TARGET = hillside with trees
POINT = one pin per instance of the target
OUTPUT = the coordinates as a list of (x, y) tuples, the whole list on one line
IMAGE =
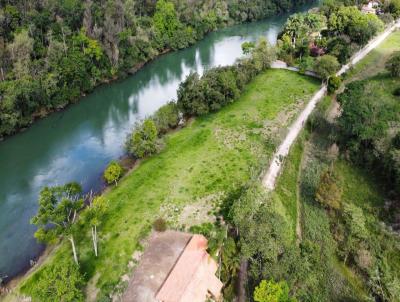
[(329, 231), (53, 52)]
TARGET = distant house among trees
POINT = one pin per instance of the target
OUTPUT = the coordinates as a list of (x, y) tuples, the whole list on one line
[(371, 7)]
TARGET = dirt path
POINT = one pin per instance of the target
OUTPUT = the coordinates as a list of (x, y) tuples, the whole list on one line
[(334, 111), (242, 280), (370, 46), (283, 150), (270, 177)]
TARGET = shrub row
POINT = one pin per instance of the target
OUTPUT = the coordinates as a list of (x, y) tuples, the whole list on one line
[(197, 96), (222, 85)]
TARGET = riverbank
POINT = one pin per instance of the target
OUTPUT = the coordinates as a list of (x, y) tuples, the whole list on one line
[(42, 114), (199, 165), (77, 144), (115, 72)]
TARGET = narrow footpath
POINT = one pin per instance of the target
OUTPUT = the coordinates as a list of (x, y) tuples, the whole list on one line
[(299, 230), (273, 171)]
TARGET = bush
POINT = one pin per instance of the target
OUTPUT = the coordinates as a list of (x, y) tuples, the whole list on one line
[(222, 85), (59, 281), (386, 18), (393, 64), (268, 291), (326, 66), (396, 92), (229, 267), (143, 140), (341, 47), (317, 119), (334, 83), (328, 193), (113, 172), (396, 141), (394, 8), (204, 229), (160, 225), (305, 64), (166, 118)]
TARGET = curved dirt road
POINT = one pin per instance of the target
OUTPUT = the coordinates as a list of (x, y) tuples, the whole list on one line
[(270, 177)]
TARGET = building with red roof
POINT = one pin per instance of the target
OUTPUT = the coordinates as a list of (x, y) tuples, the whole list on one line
[(175, 268)]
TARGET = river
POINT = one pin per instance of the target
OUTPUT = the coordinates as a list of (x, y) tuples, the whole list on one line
[(77, 143)]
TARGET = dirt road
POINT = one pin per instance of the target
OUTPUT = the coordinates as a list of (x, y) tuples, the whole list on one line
[(270, 177)]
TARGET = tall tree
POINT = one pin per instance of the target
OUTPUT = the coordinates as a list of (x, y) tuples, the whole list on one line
[(93, 215), (57, 213), (166, 20), (20, 51), (326, 66), (143, 141)]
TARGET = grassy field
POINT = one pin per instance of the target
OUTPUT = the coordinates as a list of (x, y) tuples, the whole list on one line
[(329, 277), (285, 195), (365, 190), (203, 161), (374, 62)]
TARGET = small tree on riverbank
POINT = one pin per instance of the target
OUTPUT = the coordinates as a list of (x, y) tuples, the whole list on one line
[(263, 55), (166, 117), (113, 173), (57, 213), (143, 140), (247, 47)]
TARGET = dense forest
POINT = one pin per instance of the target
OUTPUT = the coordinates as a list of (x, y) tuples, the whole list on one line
[(52, 52)]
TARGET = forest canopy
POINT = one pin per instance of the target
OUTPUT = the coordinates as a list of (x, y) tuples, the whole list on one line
[(52, 52)]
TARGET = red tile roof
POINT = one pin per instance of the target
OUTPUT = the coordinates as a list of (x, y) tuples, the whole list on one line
[(193, 276)]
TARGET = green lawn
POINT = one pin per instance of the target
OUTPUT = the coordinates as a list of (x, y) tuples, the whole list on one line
[(213, 155), (359, 187)]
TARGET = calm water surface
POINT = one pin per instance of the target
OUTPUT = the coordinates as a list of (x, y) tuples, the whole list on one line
[(77, 144)]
